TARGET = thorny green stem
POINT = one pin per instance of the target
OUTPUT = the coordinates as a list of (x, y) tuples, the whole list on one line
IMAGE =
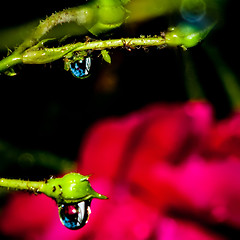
[(46, 55), (97, 17), (38, 54), (81, 15), (31, 51)]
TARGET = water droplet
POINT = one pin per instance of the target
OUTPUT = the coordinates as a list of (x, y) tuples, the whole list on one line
[(193, 11), (81, 68), (75, 215)]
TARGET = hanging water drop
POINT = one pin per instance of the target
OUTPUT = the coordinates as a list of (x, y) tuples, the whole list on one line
[(81, 68), (75, 215)]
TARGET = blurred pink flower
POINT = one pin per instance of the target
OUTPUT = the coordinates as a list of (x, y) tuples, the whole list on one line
[(170, 171)]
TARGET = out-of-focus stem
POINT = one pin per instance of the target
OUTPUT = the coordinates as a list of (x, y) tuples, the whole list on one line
[(228, 78), (81, 15)]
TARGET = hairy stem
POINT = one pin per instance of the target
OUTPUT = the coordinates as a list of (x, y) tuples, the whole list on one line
[(38, 54), (174, 37), (46, 55), (81, 15), (17, 184)]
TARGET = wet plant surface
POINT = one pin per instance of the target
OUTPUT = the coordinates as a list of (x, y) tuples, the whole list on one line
[(47, 111)]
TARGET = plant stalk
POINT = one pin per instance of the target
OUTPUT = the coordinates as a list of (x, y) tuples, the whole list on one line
[(19, 185)]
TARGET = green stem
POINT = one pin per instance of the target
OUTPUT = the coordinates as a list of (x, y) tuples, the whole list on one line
[(46, 55), (17, 184), (229, 79), (193, 86), (174, 37), (39, 54), (81, 15), (10, 61)]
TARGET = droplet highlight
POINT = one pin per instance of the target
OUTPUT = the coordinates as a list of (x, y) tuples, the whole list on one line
[(75, 215)]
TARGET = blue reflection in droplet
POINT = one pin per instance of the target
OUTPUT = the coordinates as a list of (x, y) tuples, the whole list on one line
[(193, 11), (74, 215), (81, 68)]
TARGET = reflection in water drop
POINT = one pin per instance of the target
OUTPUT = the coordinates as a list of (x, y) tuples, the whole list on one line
[(81, 68), (193, 11), (75, 215)]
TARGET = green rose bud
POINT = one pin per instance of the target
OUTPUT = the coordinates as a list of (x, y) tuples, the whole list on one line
[(186, 35), (71, 188)]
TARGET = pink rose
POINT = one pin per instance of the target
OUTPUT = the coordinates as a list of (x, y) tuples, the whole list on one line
[(170, 172)]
